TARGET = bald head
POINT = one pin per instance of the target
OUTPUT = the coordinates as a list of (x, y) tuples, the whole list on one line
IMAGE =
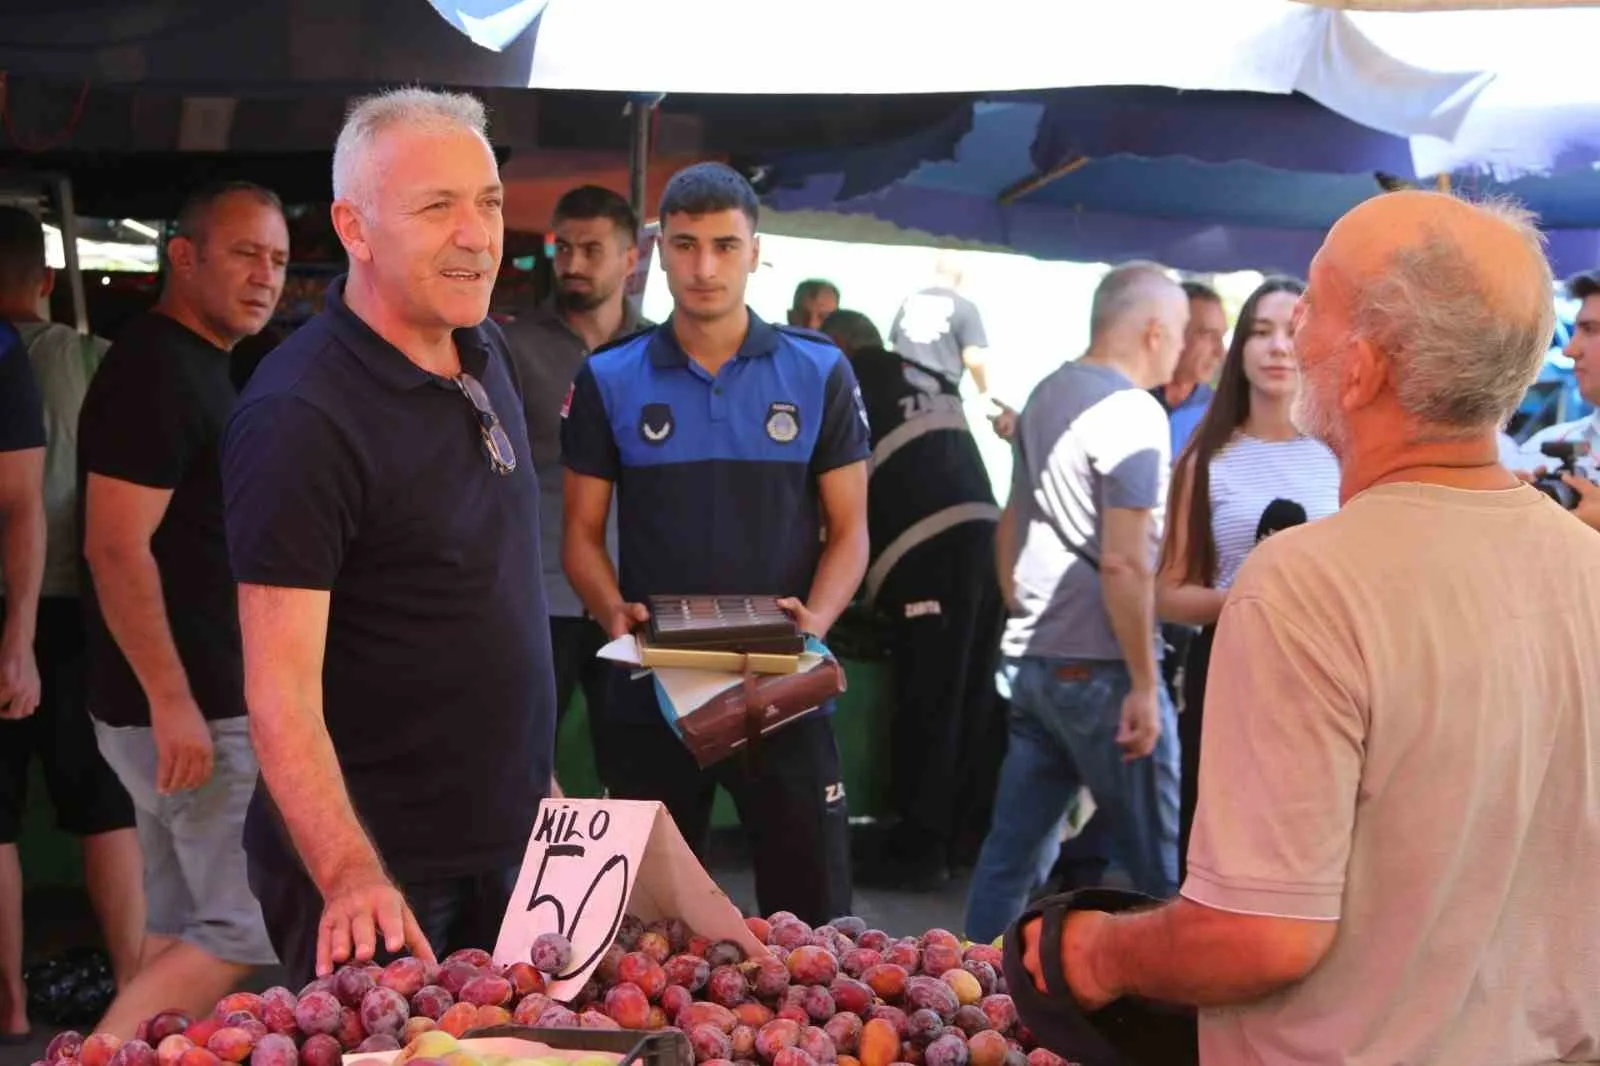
[(1137, 321), (1455, 296)]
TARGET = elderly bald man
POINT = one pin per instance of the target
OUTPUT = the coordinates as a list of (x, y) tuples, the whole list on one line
[(1395, 852)]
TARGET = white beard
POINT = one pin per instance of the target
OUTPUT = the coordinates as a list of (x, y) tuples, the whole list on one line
[(1313, 413)]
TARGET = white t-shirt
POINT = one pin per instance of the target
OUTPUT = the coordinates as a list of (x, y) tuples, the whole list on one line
[(1403, 734), (1251, 474)]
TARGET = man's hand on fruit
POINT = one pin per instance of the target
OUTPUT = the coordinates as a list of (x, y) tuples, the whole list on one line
[(355, 912)]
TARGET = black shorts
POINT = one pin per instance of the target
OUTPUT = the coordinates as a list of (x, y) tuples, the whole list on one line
[(87, 796)]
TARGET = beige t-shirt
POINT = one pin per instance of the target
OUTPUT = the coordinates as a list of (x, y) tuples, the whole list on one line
[(1403, 733)]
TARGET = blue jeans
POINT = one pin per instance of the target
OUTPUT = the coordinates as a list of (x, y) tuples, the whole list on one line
[(1062, 734)]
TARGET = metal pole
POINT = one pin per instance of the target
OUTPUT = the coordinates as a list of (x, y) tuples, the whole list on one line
[(639, 152), (69, 250)]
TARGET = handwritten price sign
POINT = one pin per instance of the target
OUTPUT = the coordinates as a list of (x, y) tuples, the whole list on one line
[(587, 861)]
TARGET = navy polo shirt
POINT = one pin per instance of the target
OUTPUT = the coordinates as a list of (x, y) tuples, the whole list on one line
[(348, 468), (716, 476)]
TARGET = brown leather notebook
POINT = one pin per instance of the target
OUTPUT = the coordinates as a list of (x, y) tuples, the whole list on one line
[(740, 716)]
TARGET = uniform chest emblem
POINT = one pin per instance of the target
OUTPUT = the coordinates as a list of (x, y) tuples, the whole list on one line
[(656, 423), (783, 422)]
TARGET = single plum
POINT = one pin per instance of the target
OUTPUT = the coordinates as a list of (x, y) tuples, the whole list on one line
[(742, 1042), (939, 957), (162, 1026), (674, 929), (491, 1015), (970, 1019), (486, 990), (985, 953), (812, 966), (709, 1042), (279, 994), (249, 1002), (858, 961), (475, 957), (939, 936), (675, 999), (966, 987), (845, 1030), (727, 986), (987, 1048), (893, 1015), (640, 969), (932, 993), (199, 1056), (404, 975), (551, 953), (818, 1004), (690, 971), (200, 1032), (317, 1012), (458, 1019), (230, 1044), (628, 1006), (776, 1036), (1045, 1057), (593, 1019), (850, 926), (768, 977), (887, 980), (320, 1049), (874, 940), (275, 1049), (280, 1019), (925, 1026), (706, 1014), (698, 945), (173, 1048), (907, 956), (431, 1001), (655, 945), (658, 1019), (529, 1008), (384, 1011), (879, 1044), (415, 1026), (724, 953), (948, 1050), (629, 932), (65, 1045), (789, 934), (134, 1053), (753, 1013), (525, 980), (351, 1030), (606, 971), (453, 976), (818, 1044), (351, 984), (850, 995), (1001, 1012), (760, 928), (794, 1013)]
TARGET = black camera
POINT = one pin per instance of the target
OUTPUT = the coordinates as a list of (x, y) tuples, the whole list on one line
[(1568, 452)]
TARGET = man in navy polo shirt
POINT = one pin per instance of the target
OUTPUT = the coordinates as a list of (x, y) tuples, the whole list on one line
[(738, 450), (383, 523)]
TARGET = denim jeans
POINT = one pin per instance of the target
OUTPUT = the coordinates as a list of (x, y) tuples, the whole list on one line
[(1062, 734)]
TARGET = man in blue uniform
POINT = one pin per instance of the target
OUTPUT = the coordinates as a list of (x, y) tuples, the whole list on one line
[(738, 450)]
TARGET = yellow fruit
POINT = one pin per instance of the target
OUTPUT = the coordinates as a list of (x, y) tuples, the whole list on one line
[(433, 1044)]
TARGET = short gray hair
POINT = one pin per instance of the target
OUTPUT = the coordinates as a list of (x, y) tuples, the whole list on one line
[(1124, 289), (1464, 350), (415, 108)]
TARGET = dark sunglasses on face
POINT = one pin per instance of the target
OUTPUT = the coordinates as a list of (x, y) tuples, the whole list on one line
[(496, 444)]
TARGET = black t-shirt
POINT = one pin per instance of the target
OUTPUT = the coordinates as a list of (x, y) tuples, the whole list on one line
[(933, 327), (21, 412), (350, 469), (928, 475), (153, 416)]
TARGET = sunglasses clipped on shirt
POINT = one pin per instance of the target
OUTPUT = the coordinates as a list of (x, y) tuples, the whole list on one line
[(496, 443)]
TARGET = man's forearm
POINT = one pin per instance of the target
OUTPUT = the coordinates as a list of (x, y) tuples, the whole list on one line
[(1183, 952), (588, 567), (22, 541), (127, 583), (303, 777), (839, 572), (1130, 596)]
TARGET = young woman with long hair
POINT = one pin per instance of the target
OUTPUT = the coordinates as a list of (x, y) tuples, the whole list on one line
[(1246, 473)]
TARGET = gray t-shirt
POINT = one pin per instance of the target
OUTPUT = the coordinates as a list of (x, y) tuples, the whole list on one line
[(548, 354), (1088, 439)]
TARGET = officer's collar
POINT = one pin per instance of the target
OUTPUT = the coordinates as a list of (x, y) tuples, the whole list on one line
[(665, 351), (388, 363)]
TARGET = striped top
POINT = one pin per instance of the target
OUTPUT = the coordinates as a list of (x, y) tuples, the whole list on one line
[(1249, 475)]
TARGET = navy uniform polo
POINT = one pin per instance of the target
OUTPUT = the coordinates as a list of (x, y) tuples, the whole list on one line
[(347, 468), (716, 476)]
